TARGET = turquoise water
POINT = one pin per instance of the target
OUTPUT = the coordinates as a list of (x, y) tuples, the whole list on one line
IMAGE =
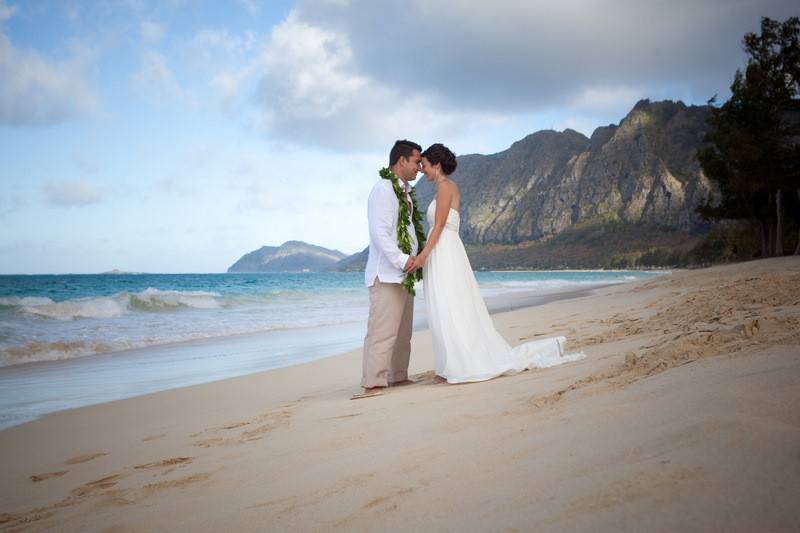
[(76, 340), (45, 318)]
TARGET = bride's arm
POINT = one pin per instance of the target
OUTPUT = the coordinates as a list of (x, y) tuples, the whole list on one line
[(444, 199)]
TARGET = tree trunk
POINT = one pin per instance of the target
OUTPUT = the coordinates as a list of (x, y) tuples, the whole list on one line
[(797, 248), (779, 224), (764, 237), (771, 236), (768, 235)]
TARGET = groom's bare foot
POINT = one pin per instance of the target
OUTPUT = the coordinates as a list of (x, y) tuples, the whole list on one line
[(367, 392), (402, 383)]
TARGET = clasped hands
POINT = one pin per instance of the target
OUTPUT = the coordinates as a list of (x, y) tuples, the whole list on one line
[(414, 263)]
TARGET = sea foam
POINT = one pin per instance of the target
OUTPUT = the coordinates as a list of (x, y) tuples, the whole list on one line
[(152, 299), (148, 300), (51, 351)]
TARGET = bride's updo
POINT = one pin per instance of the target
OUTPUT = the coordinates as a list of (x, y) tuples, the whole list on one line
[(439, 153)]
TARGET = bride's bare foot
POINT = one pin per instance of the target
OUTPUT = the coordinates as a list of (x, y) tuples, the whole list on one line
[(438, 379)]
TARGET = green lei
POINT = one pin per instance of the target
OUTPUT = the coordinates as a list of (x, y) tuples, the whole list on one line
[(403, 220)]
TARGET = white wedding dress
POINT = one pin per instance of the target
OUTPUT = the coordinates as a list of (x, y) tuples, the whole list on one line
[(466, 346)]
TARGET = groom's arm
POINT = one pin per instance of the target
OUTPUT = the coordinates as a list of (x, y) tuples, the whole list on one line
[(381, 215)]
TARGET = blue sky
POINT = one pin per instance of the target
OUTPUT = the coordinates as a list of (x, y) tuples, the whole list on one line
[(177, 135)]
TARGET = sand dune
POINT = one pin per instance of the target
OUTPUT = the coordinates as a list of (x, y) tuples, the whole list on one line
[(683, 416)]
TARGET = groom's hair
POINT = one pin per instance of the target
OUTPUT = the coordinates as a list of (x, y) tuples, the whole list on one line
[(402, 148)]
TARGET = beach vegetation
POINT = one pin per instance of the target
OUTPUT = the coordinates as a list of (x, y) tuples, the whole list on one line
[(753, 146)]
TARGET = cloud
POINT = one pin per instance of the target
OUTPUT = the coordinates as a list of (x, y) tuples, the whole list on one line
[(226, 60), (311, 90), (310, 71), (35, 91), (71, 193), (228, 85), (155, 79), (207, 40), (522, 55), (151, 31), (6, 11), (338, 73), (604, 99), (217, 49)]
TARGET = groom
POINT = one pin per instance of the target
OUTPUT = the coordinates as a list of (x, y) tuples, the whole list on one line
[(387, 346)]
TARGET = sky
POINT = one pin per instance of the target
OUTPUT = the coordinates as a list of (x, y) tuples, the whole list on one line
[(178, 135)]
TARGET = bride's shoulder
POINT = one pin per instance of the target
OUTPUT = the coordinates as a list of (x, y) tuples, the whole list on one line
[(441, 189), (447, 186)]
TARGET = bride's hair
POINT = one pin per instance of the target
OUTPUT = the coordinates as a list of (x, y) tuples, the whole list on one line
[(439, 153)]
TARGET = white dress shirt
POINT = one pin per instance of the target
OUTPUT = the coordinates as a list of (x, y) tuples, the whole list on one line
[(386, 262)]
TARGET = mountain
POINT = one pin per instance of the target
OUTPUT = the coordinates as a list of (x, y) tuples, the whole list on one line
[(291, 256), (626, 196), (354, 263), (643, 171)]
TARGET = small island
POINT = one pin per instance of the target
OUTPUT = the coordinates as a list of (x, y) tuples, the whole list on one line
[(291, 256)]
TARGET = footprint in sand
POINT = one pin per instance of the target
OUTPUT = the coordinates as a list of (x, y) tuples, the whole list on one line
[(84, 458), (154, 437), (236, 425), (176, 483), (174, 461), (97, 485), (50, 475), (260, 426), (380, 506), (343, 416)]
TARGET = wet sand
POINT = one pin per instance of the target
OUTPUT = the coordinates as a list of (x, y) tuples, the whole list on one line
[(36, 389), (683, 416)]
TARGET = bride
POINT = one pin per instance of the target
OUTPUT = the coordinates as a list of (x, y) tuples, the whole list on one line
[(466, 345)]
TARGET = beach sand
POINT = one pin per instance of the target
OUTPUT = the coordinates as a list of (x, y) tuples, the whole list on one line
[(685, 415)]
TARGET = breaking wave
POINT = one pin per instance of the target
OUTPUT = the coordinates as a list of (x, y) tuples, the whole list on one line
[(148, 300)]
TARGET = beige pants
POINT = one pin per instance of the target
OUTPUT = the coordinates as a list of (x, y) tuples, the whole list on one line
[(387, 346)]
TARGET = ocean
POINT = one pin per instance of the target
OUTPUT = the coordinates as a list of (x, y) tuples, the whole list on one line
[(72, 340)]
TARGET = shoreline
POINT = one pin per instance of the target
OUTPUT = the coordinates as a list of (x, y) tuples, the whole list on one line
[(681, 418), (504, 303), (495, 304), (39, 388), (631, 269)]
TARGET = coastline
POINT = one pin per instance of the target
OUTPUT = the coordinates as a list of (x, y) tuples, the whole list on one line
[(40, 388), (509, 302), (681, 417), (662, 270)]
